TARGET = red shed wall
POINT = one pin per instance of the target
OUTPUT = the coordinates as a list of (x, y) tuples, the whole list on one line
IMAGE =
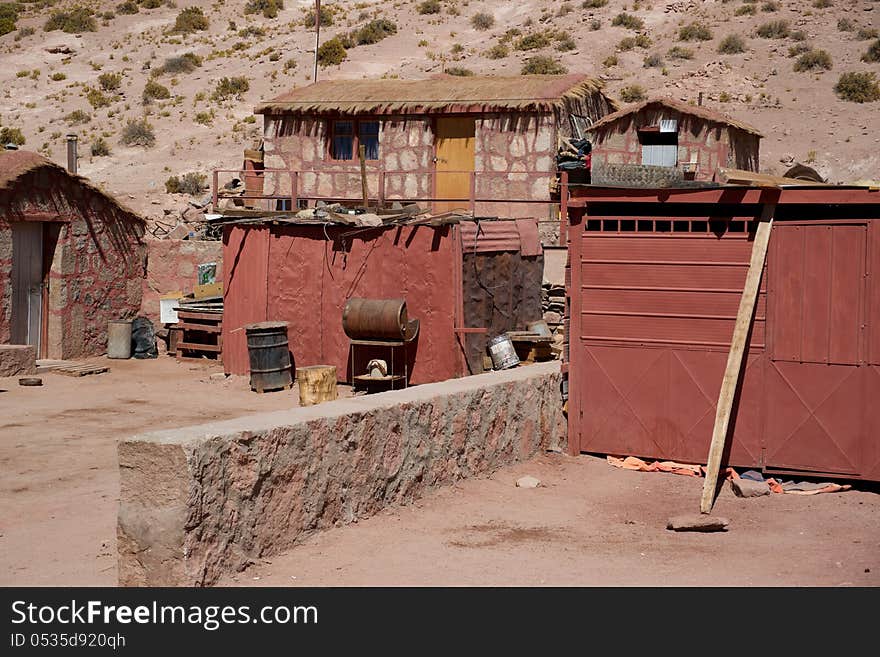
[(307, 279), (652, 315)]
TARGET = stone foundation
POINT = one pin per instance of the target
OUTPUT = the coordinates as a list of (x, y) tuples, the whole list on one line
[(202, 501), (17, 359)]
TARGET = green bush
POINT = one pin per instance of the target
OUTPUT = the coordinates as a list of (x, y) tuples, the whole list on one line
[(633, 94), (822, 4), (331, 53), (845, 25), (459, 71), (97, 99), (543, 65), (482, 21), (77, 117), (798, 49), (128, 7), (429, 7), (858, 87), (24, 32), (732, 44), (99, 148), (564, 43), (610, 61), (373, 32), (58, 77), (745, 10), (191, 19), (653, 61), (694, 32), (8, 17), (594, 4), (326, 18), (138, 132), (770, 6), (774, 30), (153, 4), (628, 21), (628, 43), (233, 87), (815, 59), (110, 81), (155, 91), (498, 51), (252, 31), (204, 118), (872, 54), (532, 41), (185, 63), (269, 8), (73, 21), (864, 33), (680, 52), (798, 35), (11, 136), (191, 183)]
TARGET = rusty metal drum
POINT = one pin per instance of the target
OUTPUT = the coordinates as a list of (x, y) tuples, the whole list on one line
[(269, 356), (375, 319)]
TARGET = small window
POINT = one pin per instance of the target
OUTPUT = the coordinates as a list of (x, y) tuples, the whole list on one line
[(368, 135), (342, 144)]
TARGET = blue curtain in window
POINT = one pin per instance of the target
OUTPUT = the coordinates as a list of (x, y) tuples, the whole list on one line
[(342, 146), (368, 134)]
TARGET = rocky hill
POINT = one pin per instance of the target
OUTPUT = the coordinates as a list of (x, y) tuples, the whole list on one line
[(156, 88)]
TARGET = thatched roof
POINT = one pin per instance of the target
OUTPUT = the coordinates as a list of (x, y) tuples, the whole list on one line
[(661, 104), (442, 94), (15, 165)]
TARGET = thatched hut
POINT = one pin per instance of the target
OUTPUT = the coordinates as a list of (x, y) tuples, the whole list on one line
[(425, 139)]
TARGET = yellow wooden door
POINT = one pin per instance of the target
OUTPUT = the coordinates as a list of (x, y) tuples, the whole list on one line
[(454, 161)]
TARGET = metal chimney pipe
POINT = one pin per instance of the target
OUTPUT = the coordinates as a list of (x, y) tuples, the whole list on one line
[(71, 153)]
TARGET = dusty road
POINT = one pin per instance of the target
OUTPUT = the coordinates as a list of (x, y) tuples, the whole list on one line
[(59, 481), (590, 524)]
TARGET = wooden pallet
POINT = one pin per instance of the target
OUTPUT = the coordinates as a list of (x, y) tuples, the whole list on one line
[(199, 334), (80, 369)]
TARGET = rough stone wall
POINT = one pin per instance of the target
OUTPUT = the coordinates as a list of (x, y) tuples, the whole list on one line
[(406, 144), (5, 283), (16, 359), (517, 146), (97, 263), (199, 502), (172, 265), (707, 144)]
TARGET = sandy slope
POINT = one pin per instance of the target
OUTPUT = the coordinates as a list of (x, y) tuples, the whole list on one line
[(798, 112)]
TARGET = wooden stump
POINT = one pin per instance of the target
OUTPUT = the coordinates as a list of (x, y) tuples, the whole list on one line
[(316, 384)]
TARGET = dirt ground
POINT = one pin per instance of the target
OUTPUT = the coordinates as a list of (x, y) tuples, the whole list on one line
[(594, 525), (59, 481), (588, 523)]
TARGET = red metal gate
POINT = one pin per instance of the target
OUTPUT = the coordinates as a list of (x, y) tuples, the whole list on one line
[(653, 301)]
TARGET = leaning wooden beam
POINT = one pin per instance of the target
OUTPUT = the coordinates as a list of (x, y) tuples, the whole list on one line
[(734, 368)]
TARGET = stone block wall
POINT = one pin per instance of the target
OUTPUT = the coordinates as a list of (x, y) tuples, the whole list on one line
[(172, 265), (5, 283), (16, 359), (199, 502)]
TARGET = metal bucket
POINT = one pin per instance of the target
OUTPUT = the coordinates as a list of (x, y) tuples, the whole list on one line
[(502, 352), (269, 356), (375, 319), (540, 327), (119, 338)]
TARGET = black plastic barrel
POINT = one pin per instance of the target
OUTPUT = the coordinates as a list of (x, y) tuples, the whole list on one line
[(269, 356)]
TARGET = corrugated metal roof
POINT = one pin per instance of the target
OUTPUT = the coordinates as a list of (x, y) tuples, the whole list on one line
[(492, 236)]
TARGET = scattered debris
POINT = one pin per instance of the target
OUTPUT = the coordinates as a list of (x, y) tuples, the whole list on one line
[(75, 368), (30, 381), (749, 488), (697, 523), (528, 481)]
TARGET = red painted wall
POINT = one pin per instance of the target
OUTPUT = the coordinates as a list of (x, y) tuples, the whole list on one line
[(296, 274), (652, 314)]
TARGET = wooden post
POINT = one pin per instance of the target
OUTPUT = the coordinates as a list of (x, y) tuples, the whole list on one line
[(563, 209), (316, 384), (294, 190), (472, 200), (733, 372), (362, 154), (215, 192), (382, 188)]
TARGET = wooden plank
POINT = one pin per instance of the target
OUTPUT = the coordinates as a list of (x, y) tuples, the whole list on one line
[(206, 328), (188, 314), (195, 346), (734, 368)]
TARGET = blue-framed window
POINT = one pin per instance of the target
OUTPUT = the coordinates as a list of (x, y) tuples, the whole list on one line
[(342, 140), (368, 136)]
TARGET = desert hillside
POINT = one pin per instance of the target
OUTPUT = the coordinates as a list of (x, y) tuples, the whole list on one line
[(156, 89)]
